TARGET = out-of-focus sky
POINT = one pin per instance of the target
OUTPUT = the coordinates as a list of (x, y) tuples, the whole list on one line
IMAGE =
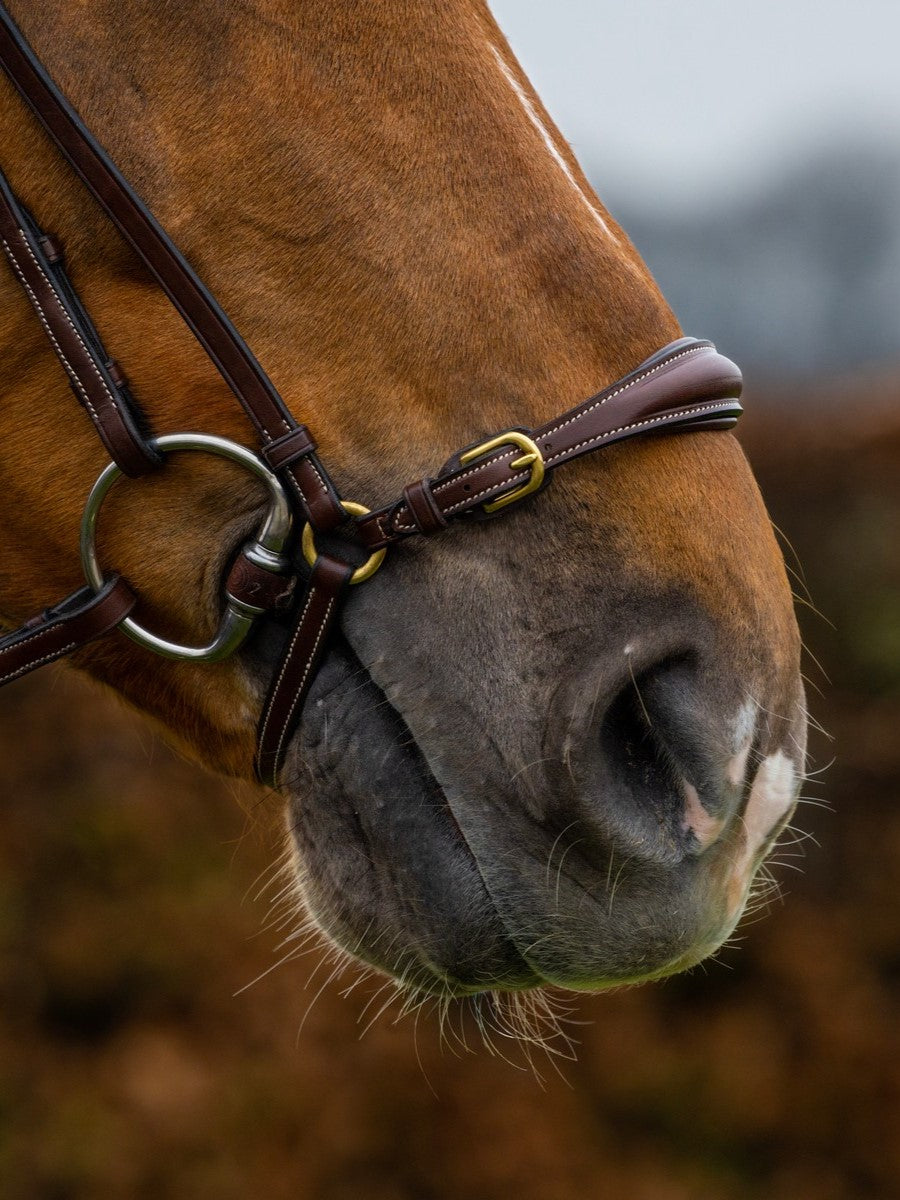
[(708, 97)]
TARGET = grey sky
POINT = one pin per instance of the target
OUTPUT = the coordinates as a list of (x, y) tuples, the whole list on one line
[(707, 97)]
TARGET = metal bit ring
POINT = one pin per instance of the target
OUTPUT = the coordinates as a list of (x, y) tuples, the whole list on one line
[(238, 618)]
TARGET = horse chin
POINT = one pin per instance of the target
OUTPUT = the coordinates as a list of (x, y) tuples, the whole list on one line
[(458, 895)]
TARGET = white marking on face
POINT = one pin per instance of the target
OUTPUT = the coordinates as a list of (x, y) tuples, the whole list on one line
[(697, 820), (771, 799), (741, 740), (549, 142), (736, 767), (743, 726)]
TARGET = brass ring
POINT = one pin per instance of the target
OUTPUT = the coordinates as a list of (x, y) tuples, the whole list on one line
[(368, 568)]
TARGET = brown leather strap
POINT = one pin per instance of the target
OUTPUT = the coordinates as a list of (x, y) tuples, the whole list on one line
[(297, 668), (78, 619), (36, 261), (686, 385), (202, 313)]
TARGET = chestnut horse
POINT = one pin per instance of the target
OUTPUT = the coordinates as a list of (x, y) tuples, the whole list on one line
[(554, 749)]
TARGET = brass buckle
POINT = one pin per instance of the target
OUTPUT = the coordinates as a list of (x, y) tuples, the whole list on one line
[(531, 458), (369, 567)]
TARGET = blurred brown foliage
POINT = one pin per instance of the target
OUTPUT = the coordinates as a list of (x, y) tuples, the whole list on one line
[(132, 1066)]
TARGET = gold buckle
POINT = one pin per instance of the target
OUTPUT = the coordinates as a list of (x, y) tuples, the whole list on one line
[(369, 567), (531, 458)]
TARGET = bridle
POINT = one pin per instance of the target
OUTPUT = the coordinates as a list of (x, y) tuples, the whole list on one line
[(686, 385)]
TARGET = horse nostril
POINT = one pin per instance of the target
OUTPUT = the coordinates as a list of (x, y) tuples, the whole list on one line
[(653, 784), (641, 780), (632, 742)]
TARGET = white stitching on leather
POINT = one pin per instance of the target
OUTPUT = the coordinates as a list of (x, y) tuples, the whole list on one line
[(439, 487), (69, 322), (553, 430), (576, 416), (297, 488), (636, 425), (318, 475), (284, 665), (302, 684), (11, 675), (42, 317), (599, 442), (618, 392)]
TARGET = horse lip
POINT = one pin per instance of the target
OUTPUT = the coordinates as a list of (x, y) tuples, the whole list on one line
[(388, 807)]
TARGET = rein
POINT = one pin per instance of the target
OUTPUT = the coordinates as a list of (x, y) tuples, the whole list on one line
[(685, 386)]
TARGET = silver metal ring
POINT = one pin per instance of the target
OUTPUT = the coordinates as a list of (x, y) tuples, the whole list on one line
[(265, 549)]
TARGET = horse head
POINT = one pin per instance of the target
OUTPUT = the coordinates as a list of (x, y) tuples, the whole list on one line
[(554, 747)]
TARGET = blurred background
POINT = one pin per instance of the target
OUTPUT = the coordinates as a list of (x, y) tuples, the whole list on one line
[(752, 153)]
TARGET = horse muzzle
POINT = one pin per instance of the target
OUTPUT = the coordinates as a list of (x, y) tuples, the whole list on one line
[(622, 850)]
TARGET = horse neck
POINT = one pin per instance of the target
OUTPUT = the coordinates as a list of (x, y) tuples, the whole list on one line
[(374, 193)]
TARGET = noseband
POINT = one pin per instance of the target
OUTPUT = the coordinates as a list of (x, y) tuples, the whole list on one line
[(684, 386)]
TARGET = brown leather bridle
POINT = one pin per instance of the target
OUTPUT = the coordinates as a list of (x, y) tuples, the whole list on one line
[(686, 385)]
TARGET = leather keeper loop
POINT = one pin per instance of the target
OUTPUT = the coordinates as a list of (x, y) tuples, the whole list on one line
[(251, 584), (51, 248), (423, 508), (288, 448)]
